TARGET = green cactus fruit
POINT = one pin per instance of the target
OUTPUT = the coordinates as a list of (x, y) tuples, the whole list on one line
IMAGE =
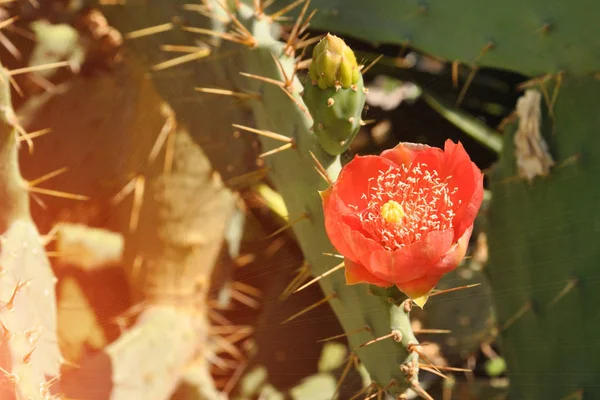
[(335, 95), (333, 64), (336, 114)]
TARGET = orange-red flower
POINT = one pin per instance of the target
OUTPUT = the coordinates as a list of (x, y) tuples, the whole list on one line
[(405, 217)]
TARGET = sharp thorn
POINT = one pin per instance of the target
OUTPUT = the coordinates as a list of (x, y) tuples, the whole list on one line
[(311, 307), (181, 60), (149, 31), (269, 134), (323, 275), (438, 292)]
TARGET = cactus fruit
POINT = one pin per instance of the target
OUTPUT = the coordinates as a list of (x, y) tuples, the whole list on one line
[(333, 64), (334, 94), (29, 354)]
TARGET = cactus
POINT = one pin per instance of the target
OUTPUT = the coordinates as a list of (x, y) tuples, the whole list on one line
[(541, 264), (30, 357), (391, 364)]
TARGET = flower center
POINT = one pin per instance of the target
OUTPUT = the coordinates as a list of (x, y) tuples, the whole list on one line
[(405, 203), (392, 212)]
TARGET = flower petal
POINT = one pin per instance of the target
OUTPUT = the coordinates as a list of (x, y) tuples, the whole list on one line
[(410, 262), (355, 178), (335, 227), (356, 273), (404, 153)]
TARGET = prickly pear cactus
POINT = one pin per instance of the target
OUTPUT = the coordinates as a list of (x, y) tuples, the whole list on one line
[(267, 67), (29, 354)]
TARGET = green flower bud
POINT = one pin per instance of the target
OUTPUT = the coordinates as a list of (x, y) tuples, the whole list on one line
[(333, 64)]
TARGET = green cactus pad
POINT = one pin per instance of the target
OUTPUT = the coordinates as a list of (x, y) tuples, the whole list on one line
[(533, 37)]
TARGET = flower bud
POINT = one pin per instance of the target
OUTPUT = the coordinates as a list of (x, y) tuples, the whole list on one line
[(333, 64)]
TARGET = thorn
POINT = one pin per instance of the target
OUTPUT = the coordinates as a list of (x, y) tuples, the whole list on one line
[(430, 331), (366, 328), (366, 390), (262, 78), (127, 189), (10, 305), (288, 82), (48, 176), (455, 65), (304, 43), (149, 31), (218, 318), (180, 48), (303, 64), (568, 287), (33, 135), (288, 225), (420, 391), (245, 288), (454, 369), (166, 131), (38, 68), (244, 299), (534, 82), (295, 30), (235, 377), (248, 178), (425, 367), (438, 292), (277, 150), (323, 275), (285, 10), (302, 275), (6, 334), (138, 198), (225, 92), (245, 33), (57, 193), (9, 21), (414, 347), (269, 134), (559, 79), (307, 22), (181, 60), (375, 61), (204, 11), (13, 378), (228, 348), (226, 36), (520, 312), (311, 307), (396, 335), (367, 122), (351, 359), (300, 106), (465, 87), (241, 334), (228, 329), (333, 255), (380, 391)]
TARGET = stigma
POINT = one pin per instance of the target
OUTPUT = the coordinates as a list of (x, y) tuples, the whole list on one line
[(392, 212)]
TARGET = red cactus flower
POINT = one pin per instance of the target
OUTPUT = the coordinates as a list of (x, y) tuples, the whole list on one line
[(405, 217)]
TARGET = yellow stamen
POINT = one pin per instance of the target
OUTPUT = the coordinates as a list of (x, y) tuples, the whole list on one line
[(392, 212)]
